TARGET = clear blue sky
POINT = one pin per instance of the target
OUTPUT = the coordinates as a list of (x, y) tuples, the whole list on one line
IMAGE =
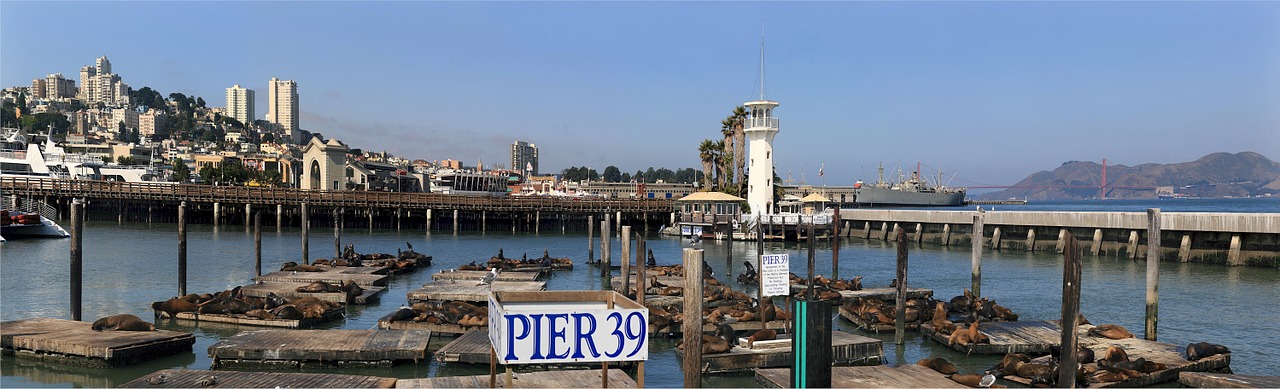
[(991, 90)]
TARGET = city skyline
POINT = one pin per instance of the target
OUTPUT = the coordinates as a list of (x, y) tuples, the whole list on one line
[(993, 91)]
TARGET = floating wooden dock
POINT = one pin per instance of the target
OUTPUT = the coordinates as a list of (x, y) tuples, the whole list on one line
[(1168, 354), (868, 326), (363, 276), (289, 289), (537, 379), (740, 326), (882, 376), (1220, 380), (292, 349), (476, 275), (471, 347), (885, 293), (182, 378), (1029, 337), (436, 329), (76, 343), (846, 349), (330, 315), (470, 291)]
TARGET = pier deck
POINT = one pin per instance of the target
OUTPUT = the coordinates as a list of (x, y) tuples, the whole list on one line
[(538, 379), (885, 293), (74, 342), (846, 348), (289, 289), (882, 376), (330, 315), (1220, 380), (1030, 337), (292, 349), (471, 347), (182, 378), (1168, 354), (475, 275), (470, 291), (363, 276)]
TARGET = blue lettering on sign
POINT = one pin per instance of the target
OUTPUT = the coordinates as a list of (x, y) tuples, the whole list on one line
[(511, 334), (583, 333), (537, 338), (641, 332), (551, 343), (618, 333)]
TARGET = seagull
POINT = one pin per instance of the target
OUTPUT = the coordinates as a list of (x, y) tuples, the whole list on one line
[(159, 379), (488, 278)]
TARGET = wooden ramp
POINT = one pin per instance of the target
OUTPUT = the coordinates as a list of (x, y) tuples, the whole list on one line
[(363, 276), (470, 291), (471, 347), (846, 348), (181, 378), (475, 275), (292, 349), (538, 379), (330, 315), (1165, 353), (289, 289), (74, 342), (885, 293), (1029, 337), (1219, 380), (881, 376), (868, 326)]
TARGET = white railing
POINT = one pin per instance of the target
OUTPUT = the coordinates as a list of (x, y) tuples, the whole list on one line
[(789, 219), (761, 122)]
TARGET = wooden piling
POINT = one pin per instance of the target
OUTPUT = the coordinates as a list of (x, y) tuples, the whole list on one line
[(279, 215), (455, 221), (641, 271), (900, 325), (248, 210), (182, 249), (946, 235), (257, 243), (626, 260), (605, 239), (306, 227), (835, 246), (1184, 249), (1153, 272), (693, 326), (760, 274), (217, 213), (1133, 244), (809, 296), (77, 257), (337, 235), (1031, 239), (1070, 309), (977, 254), (1097, 241), (591, 240), (1062, 233), (919, 237), (1233, 251), (995, 238)]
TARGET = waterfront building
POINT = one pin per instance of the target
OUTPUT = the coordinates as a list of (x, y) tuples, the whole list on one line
[(240, 104), (709, 214), (626, 190), (839, 196), (524, 157), (323, 165), (282, 106)]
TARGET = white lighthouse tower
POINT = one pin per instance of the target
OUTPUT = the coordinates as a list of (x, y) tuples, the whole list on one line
[(760, 127)]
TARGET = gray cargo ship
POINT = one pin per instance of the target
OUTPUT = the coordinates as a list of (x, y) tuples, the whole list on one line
[(913, 191)]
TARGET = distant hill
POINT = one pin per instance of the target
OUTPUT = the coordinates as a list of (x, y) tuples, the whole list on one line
[(1214, 175)]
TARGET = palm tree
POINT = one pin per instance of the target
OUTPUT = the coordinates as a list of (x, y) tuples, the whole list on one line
[(739, 120), (707, 151), (721, 166), (726, 129)]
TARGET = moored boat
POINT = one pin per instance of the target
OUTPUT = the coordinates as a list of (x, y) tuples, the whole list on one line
[(913, 191)]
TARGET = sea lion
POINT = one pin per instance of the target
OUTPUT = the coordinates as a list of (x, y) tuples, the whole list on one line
[(123, 322), (938, 364), (174, 305), (1009, 364), (1198, 351), (260, 314), (1111, 331), (765, 334), (402, 314), (225, 306), (318, 287)]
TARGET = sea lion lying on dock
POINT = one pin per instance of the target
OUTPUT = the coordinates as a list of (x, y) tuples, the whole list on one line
[(172, 306), (938, 364), (1009, 364), (294, 266), (124, 322), (1111, 331), (1198, 351), (765, 334)]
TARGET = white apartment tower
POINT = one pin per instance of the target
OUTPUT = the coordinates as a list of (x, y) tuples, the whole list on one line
[(760, 127), (282, 106), (524, 157), (99, 85), (240, 104)]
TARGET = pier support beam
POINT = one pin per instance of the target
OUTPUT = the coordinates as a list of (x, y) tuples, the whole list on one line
[(617, 221), (995, 239), (1097, 241), (976, 261), (428, 220), (919, 233), (537, 222), (1184, 249), (399, 215), (182, 249), (1233, 253), (484, 221), (1062, 236), (693, 303), (626, 260), (279, 216), (77, 256), (591, 240), (248, 213), (1031, 239), (1133, 244), (306, 226), (217, 213), (1153, 272), (884, 230), (455, 221), (866, 230), (370, 213), (946, 235), (605, 239), (672, 223), (337, 234)]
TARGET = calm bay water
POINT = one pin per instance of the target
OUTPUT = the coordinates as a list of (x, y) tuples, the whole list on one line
[(127, 266)]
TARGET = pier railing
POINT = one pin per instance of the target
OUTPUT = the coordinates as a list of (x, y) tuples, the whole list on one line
[(31, 186)]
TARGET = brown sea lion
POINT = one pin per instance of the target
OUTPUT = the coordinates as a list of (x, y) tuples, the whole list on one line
[(1032, 370), (939, 364), (1111, 331), (1009, 364), (260, 314), (225, 306), (318, 287), (174, 305), (287, 312), (1197, 351), (124, 322), (765, 334)]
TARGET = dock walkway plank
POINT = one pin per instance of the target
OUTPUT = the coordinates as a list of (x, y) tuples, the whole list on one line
[(75, 342), (1030, 337), (1168, 354), (589, 378), (182, 378), (330, 315), (475, 275), (289, 289), (1221, 380), (323, 348), (846, 348), (882, 376), (470, 291), (471, 347), (363, 276), (885, 293)]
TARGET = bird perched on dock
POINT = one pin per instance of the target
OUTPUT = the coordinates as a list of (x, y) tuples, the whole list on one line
[(207, 381), (159, 379), (488, 278)]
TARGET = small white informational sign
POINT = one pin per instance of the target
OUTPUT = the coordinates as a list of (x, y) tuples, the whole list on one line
[(776, 275)]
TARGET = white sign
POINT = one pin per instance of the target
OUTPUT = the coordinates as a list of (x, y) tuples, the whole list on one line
[(557, 332), (776, 275)]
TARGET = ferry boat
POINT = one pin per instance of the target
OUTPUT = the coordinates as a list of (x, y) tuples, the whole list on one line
[(913, 191), (22, 158)]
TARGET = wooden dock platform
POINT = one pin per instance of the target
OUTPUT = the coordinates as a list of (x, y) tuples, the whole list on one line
[(870, 326), (1220, 380), (471, 347), (74, 342), (183, 378), (1168, 354), (475, 275), (470, 291), (538, 379), (330, 315), (436, 329), (846, 348), (882, 376), (1029, 337), (740, 326), (292, 349), (885, 293), (289, 289), (363, 276)]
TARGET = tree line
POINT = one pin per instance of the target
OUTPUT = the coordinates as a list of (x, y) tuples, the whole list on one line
[(614, 174)]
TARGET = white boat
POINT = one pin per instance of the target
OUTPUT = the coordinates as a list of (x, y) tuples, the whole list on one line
[(26, 220), (22, 158)]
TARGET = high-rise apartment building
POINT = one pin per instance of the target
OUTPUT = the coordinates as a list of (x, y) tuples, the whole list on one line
[(99, 85), (524, 157), (282, 106), (240, 104)]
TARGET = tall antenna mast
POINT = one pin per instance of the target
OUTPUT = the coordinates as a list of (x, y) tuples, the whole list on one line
[(762, 60)]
